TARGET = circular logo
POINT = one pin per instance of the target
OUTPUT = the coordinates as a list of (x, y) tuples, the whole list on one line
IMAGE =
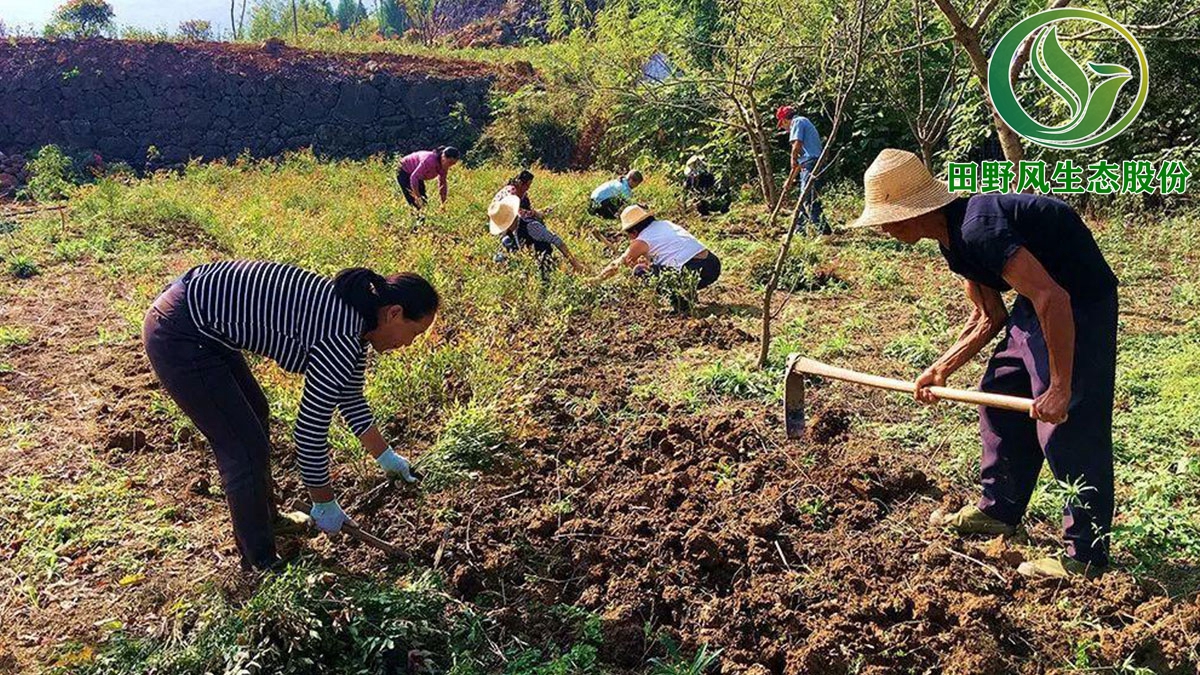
[(1090, 103)]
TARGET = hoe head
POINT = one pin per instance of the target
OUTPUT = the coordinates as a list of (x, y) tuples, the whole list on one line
[(793, 400)]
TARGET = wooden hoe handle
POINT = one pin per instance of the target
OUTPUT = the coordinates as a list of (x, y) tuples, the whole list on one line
[(1001, 401)]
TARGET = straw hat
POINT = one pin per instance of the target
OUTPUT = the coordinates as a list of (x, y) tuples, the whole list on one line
[(502, 213), (899, 187), (632, 215)]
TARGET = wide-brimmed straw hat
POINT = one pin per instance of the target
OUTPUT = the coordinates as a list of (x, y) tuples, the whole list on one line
[(632, 215), (502, 213), (897, 187)]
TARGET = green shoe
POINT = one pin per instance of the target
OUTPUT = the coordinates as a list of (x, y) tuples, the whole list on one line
[(1059, 567), (970, 520), (291, 523)]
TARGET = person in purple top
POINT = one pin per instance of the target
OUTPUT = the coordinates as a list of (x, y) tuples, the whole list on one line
[(1059, 348), (421, 166)]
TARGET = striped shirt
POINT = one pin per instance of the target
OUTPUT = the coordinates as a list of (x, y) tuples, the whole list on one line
[(291, 316)]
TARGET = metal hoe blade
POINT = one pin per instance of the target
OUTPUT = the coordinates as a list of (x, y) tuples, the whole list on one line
[(793, 400)]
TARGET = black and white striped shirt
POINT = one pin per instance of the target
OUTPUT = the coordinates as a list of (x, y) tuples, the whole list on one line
[(292, 316)]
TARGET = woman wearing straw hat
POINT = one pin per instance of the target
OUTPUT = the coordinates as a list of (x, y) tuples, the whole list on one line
[(1059, 346), (664, 245), (512, 218)]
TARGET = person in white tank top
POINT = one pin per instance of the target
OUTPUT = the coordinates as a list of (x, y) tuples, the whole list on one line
[(660, 244)]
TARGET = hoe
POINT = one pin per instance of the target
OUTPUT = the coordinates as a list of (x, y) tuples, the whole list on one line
[(798, 366)]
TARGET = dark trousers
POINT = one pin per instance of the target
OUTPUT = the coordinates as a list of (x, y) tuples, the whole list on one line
[(707, 268), (609, 209), (811, 209), (213, 386), (519, 238), (404, 180), (1078, 450)]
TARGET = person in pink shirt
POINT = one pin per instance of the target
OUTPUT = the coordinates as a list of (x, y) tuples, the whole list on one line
[(421, 166)]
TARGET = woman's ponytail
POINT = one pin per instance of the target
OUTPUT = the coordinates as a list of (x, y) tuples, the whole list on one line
[(366, 292)]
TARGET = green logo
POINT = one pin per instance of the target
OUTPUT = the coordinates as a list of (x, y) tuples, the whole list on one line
[(1090, 105)]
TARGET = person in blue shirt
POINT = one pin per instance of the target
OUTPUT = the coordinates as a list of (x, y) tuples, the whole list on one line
[(1059, 347), (608, 199), (806, 149)]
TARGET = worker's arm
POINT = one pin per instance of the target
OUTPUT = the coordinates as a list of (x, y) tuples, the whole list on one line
[(1053, 306), (796, 148), (575, 264), (637, 249), (987, 318)]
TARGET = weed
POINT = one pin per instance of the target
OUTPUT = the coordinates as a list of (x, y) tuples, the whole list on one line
[(51, 176), (677, 663), (14, 336), (734, 380), (473, 439), (23, 267)]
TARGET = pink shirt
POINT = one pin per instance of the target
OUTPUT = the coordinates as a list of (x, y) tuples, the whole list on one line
[(424, 165)]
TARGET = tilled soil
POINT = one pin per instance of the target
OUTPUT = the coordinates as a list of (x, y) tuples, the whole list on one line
[(710, 528), (703, 526)]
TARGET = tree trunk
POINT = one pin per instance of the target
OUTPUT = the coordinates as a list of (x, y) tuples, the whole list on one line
[(968, 36), (927, 154), (233, 20), (295, 21)]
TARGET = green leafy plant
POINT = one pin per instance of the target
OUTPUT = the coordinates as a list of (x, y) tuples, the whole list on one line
[(23, 267), (51, 175), (473, 439)]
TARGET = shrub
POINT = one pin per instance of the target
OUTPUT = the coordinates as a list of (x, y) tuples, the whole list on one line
[(532, 127), (678, 288), (51, 176), (804, 269)]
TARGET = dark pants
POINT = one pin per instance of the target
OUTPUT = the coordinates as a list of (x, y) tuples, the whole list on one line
[(609, 209), (519, 238), (1078, 450), (810, 209), (707, 268), (214, 387), (404, 180)]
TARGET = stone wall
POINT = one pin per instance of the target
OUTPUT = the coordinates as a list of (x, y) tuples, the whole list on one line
[(213, 100)]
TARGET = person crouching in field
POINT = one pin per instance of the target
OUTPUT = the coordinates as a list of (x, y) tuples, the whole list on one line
[(656, 245), (195, 333), (418, 167), (607, 200), (1059, 347), (511, 217)]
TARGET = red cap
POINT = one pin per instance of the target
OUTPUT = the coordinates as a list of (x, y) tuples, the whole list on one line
[(784, 112)]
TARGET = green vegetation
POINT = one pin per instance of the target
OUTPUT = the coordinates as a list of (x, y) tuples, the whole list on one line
[(472, 440)]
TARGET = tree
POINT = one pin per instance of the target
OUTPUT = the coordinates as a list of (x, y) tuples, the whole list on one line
[(924, 81), (393, 19), (840, 60), (196, 30), (968, 35), (81, 19), (425, 18), (236, 24), (349, 13)]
